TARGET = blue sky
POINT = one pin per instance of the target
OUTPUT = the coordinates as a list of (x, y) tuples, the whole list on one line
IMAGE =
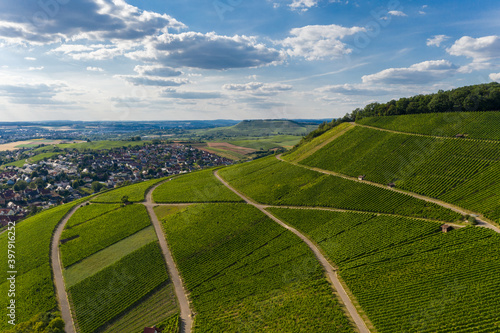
[(235, 59)]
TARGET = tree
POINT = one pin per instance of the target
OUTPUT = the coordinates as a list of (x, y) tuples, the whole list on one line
[(96, 186), (125, 199)]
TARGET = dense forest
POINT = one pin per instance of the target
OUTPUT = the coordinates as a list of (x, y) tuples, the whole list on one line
[(481, 97)]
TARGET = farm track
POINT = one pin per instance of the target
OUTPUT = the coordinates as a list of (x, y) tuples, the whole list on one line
[(185, 312), (336, 284), (55, 257), (481, 220)]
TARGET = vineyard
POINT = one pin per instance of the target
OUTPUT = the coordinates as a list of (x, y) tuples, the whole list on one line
[(85, 239), (34, 287), (89, 212), (270, 181), (438, 168), (246, 273), (103, 296), (476, 125), (135, 193), (200, 186), (408, 276)]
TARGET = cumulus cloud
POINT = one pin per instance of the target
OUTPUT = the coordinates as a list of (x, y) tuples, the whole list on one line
[(157, 71), (495, 77), (421, 73), (396, 13), (172, 93), (437, 40), (316, 42), (49, 21), (38, 94), (303, 5), (95, 69), (481, 50), (207, 51), (29, 58), (91, 52), (150, 81), (259, 88), (36, 68)]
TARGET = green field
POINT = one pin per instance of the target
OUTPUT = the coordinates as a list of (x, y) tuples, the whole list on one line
[(435, 167), (307, 148), (34, 286), (408, 276), (89, 212), (476, 125), (245, 273), (103, 296), (266, 143), (199, 186), (106, 257), (135, 192), (270, 181), (94, 145), (88, 238)]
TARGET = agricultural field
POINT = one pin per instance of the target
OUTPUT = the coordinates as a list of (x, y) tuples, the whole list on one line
[(246, 273), (94, 145), (435, 167), (135, 192), (106, 257), (475, 125), (89, 212), (34, 286), (267, 142), (87, 238), (411, 277), (105, 295), (308, 148), (273, 182), (199, 186)]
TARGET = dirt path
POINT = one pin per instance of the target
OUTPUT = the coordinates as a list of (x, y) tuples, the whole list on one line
[(324, 262), (481, 220), (55, 258), (186, 315)]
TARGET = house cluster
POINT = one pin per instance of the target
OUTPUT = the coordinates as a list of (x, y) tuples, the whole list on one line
[(71, 174)]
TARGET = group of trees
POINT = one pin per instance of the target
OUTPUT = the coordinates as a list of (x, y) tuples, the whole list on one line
[(481, 97)]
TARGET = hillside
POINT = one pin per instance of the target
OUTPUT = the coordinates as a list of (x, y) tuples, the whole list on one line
[(298, 242)]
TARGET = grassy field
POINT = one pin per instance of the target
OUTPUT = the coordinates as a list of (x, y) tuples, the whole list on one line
[(135, 192), (89, 212), (307, 148), (115, 289), (88, 238), (269, 142), (476, 125), (245, 273), (94, 145), (270, 181), (34, 286), (407, 275), (108, 256), (199, 186), (163, 211)]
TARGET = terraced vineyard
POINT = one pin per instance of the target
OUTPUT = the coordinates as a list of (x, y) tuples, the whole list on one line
[(430, 166), (246, 273), (34, 287), (134, 192), (476, 125), (408, 276), (200, 186), (105, 295), (270, 181), (100, 232)]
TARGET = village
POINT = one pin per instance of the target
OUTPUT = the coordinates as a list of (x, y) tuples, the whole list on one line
[(73, 174)]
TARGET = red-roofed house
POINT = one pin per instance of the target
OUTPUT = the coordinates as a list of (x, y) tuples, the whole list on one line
[(152, 330)]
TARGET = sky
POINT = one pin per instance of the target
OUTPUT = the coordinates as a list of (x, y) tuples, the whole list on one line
[(236, 59)]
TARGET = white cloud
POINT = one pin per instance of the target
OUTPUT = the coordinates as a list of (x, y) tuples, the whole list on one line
[(95, 69), (354, 89), (259, 88), (92, 52), (157, 71), (303, 5), (207, 51), (315, 42), (481, 50), (152, 81), (422, 73), (495, 77), (396, 13), (33, 94), (29, 58), (437, 40), (172, 93), (36, 68)]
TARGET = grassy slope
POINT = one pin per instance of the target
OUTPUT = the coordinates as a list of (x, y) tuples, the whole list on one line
[(34, 286), (478, 125), (102, 259), (135, 192), (270, 181), (246, 273), (200, 186), (408, 277), (265, 143)]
